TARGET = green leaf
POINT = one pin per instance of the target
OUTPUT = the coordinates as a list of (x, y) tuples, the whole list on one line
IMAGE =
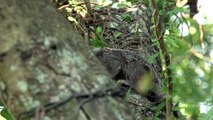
[(126, 17), (97, 7), (96, 42), (127, 94), (157, 118), (117, 34), (160, 106), (122, 5), (99, 29), (5, 113), (171, 40), (155, 44), (176, 108), (151, 59)]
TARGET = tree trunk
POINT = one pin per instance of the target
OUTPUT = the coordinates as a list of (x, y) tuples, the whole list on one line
[(43, 61)]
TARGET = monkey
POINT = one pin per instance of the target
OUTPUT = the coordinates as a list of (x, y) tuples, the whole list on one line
[(128, 66)]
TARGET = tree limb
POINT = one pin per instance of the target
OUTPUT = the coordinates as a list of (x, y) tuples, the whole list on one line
[(159, 34)]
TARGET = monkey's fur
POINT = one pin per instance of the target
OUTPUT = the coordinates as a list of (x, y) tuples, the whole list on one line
[(129, 66)]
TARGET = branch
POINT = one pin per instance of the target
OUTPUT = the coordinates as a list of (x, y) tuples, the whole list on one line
[(110, 91), (159, 34), (201, 36), (89, 8), (200, 56)]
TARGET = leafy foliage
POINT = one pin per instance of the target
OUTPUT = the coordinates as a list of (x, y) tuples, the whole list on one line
[(192, 66), (5, 113), (192, 74), (98, 40)]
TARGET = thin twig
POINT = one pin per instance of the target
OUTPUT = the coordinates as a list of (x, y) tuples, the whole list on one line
[(201, 36), (90, 98), (200, 56), (81, 3), (64, 6), (89, 8)]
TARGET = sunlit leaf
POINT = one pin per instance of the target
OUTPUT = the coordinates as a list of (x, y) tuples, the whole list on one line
[(99, 29), (72, 19), (5, 114)]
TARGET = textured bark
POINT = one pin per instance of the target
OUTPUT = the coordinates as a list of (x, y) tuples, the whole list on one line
[(43, 59)]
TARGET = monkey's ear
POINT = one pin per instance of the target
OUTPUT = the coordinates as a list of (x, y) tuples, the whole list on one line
[(96, 50)]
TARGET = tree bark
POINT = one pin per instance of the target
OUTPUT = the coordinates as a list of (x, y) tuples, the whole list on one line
[(43, 61)]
